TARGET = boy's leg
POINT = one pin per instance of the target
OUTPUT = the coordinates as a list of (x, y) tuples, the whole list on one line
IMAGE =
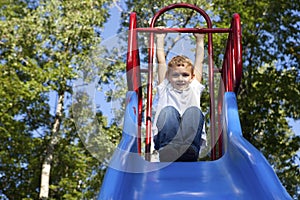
[(191, 130), (168, 123)]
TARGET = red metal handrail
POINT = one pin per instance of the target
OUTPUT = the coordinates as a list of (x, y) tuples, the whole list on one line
[(232, 64), (231, 69), (133, 72), (237, 46), (184, 30)]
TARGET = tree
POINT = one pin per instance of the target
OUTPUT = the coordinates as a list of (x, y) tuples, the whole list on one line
[(269, 93), (44, 46)]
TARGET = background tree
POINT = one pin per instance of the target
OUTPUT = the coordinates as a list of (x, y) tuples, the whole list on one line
[(44, 46), (269, 94)]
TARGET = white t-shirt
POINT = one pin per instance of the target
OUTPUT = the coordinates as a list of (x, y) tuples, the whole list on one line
[(181, 100)]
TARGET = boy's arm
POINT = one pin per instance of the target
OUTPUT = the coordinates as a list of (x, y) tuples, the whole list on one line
[(161, 58), (199, 56)]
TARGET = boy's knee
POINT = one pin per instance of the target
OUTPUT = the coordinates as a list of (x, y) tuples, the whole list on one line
[(169, 109), (194, 111), (168, 112)]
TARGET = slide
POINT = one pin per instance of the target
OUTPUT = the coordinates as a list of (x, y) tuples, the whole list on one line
[(241, 173)]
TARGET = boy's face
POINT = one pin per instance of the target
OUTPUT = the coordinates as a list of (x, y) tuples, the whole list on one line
[(180, 77)]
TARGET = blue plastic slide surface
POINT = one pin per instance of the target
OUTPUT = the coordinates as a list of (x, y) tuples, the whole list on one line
[(241, 173)]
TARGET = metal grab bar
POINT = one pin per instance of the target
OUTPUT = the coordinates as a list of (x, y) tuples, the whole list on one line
[(184, 30)]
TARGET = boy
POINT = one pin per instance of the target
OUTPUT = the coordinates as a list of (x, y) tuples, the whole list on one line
[(178, 123)]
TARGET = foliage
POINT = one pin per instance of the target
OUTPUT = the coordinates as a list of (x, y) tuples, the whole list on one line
[(77, 169), (44, 46), (269, 93)]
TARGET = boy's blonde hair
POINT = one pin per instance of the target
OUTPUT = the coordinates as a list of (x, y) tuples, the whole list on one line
[(180, 61)]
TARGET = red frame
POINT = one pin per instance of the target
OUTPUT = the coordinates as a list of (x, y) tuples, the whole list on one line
[(133, 71), (231, 70)]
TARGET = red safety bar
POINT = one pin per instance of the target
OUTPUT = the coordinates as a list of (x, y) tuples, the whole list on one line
[(133, 71), (231, 72), (232, 64)]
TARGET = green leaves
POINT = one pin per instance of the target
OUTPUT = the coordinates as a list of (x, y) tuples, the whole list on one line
[(43, 49)]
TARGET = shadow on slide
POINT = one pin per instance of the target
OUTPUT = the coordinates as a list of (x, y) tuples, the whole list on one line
[(241, 173)]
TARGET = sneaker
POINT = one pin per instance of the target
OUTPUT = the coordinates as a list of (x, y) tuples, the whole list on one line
[(168, 154)]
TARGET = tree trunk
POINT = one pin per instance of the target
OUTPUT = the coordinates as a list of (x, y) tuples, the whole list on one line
[(46, 167)]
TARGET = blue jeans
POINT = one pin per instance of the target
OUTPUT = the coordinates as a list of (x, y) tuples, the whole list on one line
[(177, 130)]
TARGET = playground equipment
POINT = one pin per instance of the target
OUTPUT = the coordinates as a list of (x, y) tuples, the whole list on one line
[(237, 169)]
